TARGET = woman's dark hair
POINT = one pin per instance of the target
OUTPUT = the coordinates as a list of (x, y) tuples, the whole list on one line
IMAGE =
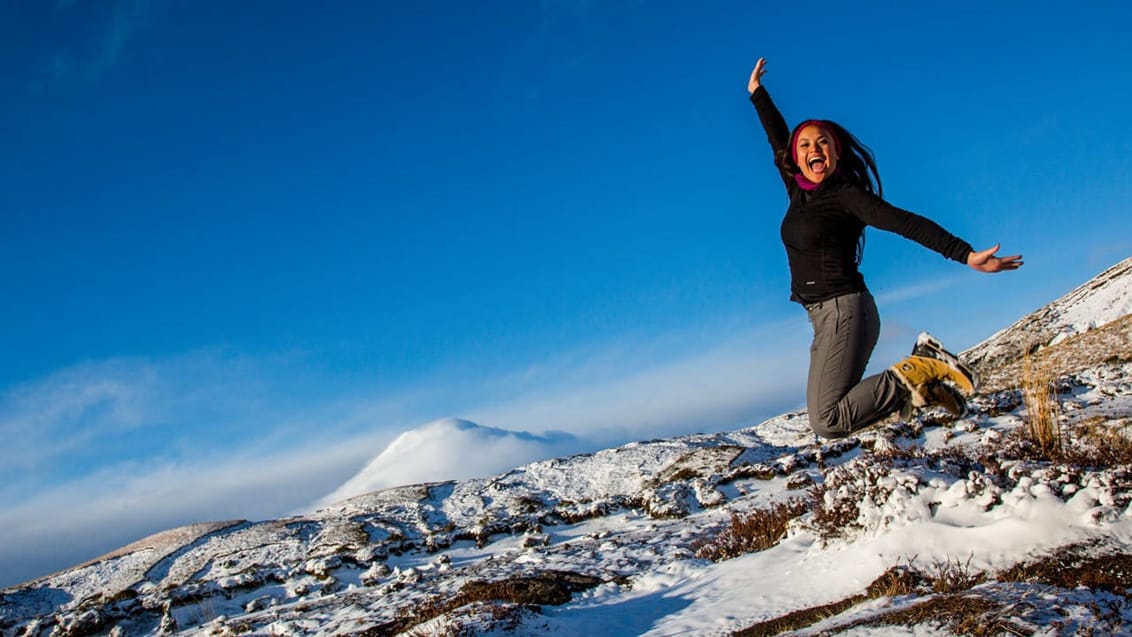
[(855, 161)]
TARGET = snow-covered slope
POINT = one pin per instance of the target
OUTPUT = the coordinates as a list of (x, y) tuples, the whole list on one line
[(1103, 299), (910, 523)]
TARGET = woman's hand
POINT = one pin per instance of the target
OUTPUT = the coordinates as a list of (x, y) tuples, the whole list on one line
[(757, 75), (985, 261)]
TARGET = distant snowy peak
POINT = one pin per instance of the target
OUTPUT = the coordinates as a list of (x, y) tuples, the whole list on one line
[(451, 449), (1103, 299)]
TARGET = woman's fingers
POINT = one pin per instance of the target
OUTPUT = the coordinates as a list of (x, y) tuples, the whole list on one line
[(756, 75), (986, 261)]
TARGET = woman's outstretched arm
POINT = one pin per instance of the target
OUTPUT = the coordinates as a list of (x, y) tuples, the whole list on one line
[(876, 212), (777, 133)]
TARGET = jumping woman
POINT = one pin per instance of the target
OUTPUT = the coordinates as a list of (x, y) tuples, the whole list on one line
[(835, 192)]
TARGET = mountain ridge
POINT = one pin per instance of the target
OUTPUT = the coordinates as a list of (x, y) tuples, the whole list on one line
[(1100, 300)]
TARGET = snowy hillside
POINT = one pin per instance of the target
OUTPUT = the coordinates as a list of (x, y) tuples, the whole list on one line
[(954, 527), (1103, 299)]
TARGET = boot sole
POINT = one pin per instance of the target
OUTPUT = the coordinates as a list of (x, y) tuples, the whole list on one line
[(930, 346), (943, 395)]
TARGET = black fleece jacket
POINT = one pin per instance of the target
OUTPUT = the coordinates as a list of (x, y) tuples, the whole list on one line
[(821, 226)]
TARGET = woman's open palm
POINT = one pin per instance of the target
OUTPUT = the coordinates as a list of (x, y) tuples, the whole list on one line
[(985, 261), (757, 75)]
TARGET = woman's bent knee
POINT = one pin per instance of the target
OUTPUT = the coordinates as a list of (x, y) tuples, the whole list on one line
[(827, 427)]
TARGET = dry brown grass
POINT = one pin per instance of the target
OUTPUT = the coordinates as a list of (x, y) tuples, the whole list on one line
[(951, 577), (1100, 442), (800, 618), (1043, 408), (1097, 443), (896, 581), (1074, 567), (756, 531), (961, 614), (951, 599)]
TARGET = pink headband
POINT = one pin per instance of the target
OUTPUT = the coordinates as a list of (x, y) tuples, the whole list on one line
[(820, 123)]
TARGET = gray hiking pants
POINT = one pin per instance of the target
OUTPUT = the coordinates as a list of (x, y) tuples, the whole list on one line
[(846, 329)]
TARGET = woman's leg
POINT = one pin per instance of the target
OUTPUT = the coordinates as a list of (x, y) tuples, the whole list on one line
[(846, 329)]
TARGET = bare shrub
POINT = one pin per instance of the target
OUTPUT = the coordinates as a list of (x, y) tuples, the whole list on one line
[(756, 531)]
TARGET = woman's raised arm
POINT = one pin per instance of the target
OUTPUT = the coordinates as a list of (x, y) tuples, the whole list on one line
[(777, 133)]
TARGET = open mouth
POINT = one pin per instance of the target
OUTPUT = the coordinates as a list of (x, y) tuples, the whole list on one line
[(817, 164)]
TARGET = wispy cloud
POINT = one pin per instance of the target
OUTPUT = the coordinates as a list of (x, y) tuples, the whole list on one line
[(48, 419), (919, 290), (52, 417), (90, 39), (746, 375), (82, 518), (125, 19), (1105, 254)]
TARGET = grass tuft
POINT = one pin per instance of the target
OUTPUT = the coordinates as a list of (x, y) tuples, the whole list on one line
[(1043, 410), (953, 576)]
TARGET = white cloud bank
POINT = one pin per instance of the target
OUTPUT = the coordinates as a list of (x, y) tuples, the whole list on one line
[(452, 449)]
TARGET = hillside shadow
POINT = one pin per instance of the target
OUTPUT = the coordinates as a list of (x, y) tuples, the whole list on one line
[(27, 603), (628, 618)]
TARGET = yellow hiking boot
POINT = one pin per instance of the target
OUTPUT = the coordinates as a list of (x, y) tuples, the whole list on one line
[(920, 373)]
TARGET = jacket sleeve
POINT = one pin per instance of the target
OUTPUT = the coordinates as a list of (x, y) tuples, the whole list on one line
[(777, 133), (876, 212)]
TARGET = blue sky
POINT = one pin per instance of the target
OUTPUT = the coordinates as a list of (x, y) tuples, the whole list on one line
[(247, 244)]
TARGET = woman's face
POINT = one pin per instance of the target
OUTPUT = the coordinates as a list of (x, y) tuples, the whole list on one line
[(815, 152)]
